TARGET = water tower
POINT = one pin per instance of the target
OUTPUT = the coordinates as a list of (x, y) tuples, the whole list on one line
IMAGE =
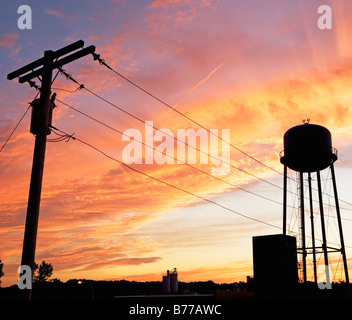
[(307, 152)]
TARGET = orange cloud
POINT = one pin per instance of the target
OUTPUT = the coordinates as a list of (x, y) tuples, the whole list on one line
[(126, 261)]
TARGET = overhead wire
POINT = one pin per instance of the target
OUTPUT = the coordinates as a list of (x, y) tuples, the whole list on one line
[(60, 138), (20, 120), (14, 129), (66, 137), (182, 162), (102, 62), (82, 86), (185, 163), (75, 138)]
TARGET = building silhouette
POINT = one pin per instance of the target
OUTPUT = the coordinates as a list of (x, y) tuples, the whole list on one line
[(170, 282)]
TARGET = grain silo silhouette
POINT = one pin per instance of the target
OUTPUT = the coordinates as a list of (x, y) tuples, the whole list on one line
[(307, 152), (170, 282)]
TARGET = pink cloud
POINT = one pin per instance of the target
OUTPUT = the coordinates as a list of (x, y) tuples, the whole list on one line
[(15, 51), (56, 12), (95, 38), (174, 3), (8, 40)]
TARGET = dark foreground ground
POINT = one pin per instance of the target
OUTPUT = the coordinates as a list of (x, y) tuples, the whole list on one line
[(128, 290), (198, 300)]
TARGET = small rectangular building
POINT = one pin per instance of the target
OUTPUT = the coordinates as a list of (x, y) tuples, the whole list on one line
[(275, 263)]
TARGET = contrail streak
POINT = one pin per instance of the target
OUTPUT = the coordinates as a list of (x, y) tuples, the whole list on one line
[(201, 82)]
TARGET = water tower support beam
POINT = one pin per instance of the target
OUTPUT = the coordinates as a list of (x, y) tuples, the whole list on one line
[(312, 226), (304, 254), (343, 252), (325, 251), (285, 201)]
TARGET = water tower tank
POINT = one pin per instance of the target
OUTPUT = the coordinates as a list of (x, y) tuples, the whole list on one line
[(308, 148)]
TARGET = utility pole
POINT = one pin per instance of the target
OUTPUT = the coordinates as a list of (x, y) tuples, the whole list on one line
[(30, 235), (49, 62)]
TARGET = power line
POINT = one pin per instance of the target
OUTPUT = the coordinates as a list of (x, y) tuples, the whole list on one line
[(14, 129), (82, 86), (195, 168), (67, 137), (102, 62), (70, 136), (32, 84), (182, 162), (162, 181)]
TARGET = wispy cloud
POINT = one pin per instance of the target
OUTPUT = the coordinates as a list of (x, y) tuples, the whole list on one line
[(8, 40), (57, 11), (119, 262)]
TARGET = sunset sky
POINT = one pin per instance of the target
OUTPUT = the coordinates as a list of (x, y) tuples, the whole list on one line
[(254, 67)]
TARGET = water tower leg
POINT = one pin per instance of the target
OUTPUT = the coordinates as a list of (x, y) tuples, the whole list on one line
[(303, 229), (285, 201), (312, 226), (343, 252), (325, 249)]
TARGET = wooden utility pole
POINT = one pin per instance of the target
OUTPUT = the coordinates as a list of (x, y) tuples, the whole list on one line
[(30, 235), (32, 218)]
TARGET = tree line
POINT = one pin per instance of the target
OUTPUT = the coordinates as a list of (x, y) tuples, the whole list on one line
[(41, 273)]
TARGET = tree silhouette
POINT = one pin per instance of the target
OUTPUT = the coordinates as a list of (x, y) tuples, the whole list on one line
[(44, 272), (1, 271)]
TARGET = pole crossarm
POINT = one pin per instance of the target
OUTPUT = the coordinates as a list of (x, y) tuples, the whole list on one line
[(24, 75), (59, 63)]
